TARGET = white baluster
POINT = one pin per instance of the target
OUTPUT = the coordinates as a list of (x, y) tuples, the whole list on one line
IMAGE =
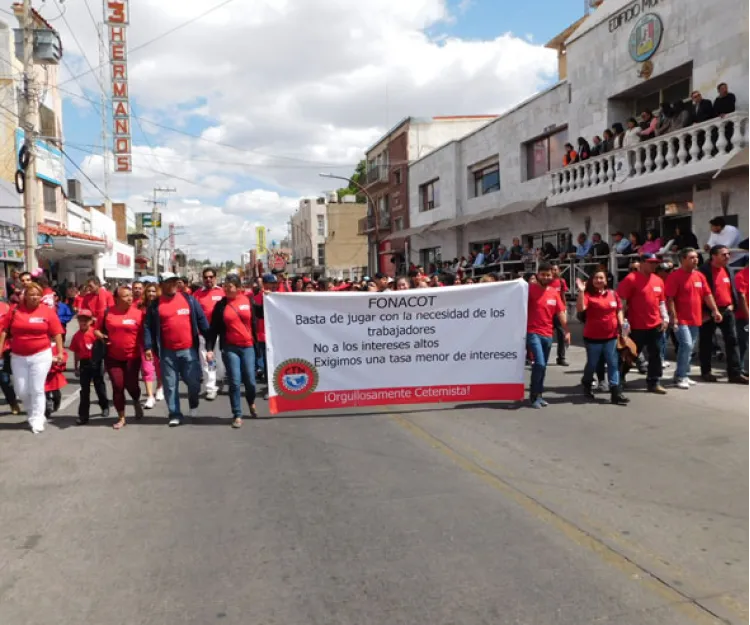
[(573, 177), (682, 153), (671, 153), (709, 145), (599, 172), (566, 180), (580, 176), (553, 184), (722, 143), (659, 160), (695, 150), (650, 163), (611, 173), (589, 175), (638, 154)]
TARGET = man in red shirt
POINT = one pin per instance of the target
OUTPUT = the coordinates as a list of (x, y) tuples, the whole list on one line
[(741, 286), (687, 291), (97, 298), (208, 296), (644, 300), (720, 282), (561, 286), (545, 305), (172, 327)]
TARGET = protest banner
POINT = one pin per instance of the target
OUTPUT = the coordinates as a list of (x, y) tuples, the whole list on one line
[(454, 344)]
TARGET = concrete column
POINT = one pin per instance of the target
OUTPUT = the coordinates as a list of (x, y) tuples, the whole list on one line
[(98, 266)]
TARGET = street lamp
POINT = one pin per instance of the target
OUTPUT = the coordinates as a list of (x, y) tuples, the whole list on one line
[(371, 202)]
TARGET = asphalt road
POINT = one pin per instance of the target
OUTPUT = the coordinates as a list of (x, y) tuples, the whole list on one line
[(435, 515)]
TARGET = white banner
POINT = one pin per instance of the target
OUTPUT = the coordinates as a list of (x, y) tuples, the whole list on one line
[(452, 344)]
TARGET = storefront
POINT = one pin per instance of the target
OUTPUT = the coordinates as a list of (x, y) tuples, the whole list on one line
[(68, 256), (119, 264)]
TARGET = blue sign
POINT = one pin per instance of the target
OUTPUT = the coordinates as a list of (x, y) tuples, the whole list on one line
[(645, 37), (49, 160)]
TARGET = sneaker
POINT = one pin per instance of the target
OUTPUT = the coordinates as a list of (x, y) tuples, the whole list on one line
[(211, 394), (543, 401), (666, 365), (150, 403), (603, 386), (37, 429), (594, 386), (691, 382), (174, 422), (193, 413), (537, 403), (159, 394), (237, 423), (683, 384), (265, 395)]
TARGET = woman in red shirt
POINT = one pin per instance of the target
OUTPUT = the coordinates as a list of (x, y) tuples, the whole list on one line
[(29, 327), (603, 324), (232, 323), (121, 327), (5, 382)]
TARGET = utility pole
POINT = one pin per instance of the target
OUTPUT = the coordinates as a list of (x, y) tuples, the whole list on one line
[(104, 107), (29, 115), (154, 204)]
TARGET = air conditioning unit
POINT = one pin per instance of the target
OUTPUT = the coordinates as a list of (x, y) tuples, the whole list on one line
[(332, 197)]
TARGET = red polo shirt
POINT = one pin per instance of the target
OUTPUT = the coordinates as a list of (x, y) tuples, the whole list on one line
[(643, 294), (124, 332), (4, 310), (560, 285), (31, 331), (208, 298), (260, 326), (722, 287), (97, 303), (82, 343), (688, 290), (741, 284), (237, 319), (601, 315), (544, 304), (176, 326)]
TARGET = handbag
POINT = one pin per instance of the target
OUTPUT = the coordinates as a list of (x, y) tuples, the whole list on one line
[(99, 350)]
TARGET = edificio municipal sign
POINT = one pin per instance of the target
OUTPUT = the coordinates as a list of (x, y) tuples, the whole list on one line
[(631, 12)]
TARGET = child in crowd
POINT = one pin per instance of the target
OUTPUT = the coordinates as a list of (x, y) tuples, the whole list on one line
[(64, 314), (55, 381), (87, 370)]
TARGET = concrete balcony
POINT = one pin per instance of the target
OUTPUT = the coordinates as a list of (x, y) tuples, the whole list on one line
[(377, 174), (367, 224), (695, 151)]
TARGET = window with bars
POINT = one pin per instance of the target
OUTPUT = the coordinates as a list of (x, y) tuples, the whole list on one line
[(429, 195)]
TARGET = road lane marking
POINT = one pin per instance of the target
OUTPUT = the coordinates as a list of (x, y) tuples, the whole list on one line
[(69, 399), (679, 601)]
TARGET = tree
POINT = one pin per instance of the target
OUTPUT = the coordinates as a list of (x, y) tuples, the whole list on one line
[(360, 177)]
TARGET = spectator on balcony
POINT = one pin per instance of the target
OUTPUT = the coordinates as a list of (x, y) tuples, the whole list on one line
[(608, 144), (619, 135), (570, 156), (502, 254), (648, 125), (702, 110), (548, 251), (635, 242), (516, 250), (681, 241), (632, 134), (596, 148), (584, 150), (682, 117), (622, 245), (599, 247), (725, 103), (653, 243), (583, 247), (664, 124), (724, 234)]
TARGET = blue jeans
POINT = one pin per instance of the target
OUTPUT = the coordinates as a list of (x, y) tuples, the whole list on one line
[(540, 347), (663, 348), (608, 351), (239, 363), (260, 358), (185, 364), (686, 337)]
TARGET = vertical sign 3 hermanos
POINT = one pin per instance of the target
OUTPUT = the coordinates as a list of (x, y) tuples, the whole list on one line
[(118, 18), (453, 344)]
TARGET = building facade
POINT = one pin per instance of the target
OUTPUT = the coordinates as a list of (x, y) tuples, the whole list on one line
[(345, 248), (308, 227), (507, 178), (386, 224)]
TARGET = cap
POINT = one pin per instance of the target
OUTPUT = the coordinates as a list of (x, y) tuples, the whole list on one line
[(85, 313), (650, 258), (366, 278), (168, 275), (269, 277)]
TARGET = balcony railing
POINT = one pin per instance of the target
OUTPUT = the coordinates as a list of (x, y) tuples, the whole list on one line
[(695, 150), (377, 173), (367, 224)]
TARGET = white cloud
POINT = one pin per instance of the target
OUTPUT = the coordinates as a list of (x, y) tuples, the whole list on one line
[(300, 86)]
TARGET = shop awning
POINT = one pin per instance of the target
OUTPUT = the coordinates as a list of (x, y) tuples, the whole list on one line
[(493, 213), (740, 159), (62, 242), (402, 234)]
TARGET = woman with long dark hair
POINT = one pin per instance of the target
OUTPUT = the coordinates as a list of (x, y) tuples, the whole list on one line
[(232, 324), (601, 309)]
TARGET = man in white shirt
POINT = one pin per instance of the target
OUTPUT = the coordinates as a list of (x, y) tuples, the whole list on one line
[(726, 236)]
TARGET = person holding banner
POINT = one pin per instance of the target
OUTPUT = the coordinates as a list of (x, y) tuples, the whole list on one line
[(232, 324), (545, 304)]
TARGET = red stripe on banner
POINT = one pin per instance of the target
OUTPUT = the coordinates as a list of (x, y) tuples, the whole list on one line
[(323, 400)]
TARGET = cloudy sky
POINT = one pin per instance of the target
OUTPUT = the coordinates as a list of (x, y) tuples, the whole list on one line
[(241, 103)]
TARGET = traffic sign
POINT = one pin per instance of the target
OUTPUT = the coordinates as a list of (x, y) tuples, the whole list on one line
[(147, 220)]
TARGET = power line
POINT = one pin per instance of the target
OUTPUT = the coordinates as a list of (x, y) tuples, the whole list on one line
[(83, 173), (83, 53), (164, 34)]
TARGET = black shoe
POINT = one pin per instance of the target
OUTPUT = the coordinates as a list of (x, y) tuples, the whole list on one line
[(618, 399), (587, 390), (82, 420), (738, 379), (709, 377), (561, 362), (105, 413)]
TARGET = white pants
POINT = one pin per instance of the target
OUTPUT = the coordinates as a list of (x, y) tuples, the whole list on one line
[(29, 375), (209, 377)]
